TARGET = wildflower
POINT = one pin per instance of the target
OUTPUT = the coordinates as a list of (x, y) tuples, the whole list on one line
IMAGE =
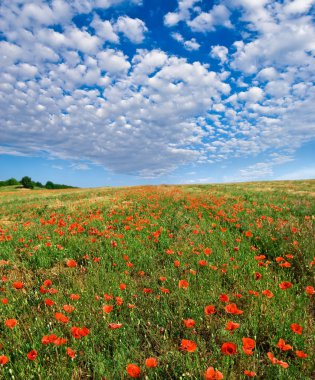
[(283, 347), (18, 285), (310, 290), (32, 355), (71, 263), (189, 323), (3, 359), (231, 326), (183, 284), (232, 309), (188, 345), (61, 318), (296, 328), (249, 373), (301, 354), (151, 362), (285, 285), (68, 308), (11, 323), (133, 370), (228, 348), (107, 308), (212, 374), (114, 326), (224, 298), (248, 345), (70, 352), (210, 309)]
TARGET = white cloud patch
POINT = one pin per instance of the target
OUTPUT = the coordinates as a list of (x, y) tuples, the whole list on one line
[(219, 15), (133, 28), (189, 45), (219, 52)]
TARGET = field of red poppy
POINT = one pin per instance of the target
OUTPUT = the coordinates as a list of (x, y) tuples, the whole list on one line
[(165, 282)]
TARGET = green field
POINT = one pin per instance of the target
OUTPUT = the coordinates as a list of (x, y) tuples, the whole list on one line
[(200, 276)]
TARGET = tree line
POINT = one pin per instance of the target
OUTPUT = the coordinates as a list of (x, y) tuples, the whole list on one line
[(27, 183)]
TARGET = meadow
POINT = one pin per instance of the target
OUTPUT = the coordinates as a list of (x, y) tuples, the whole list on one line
[(158, 282)]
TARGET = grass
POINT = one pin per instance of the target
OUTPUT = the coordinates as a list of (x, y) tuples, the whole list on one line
[(130, 249)]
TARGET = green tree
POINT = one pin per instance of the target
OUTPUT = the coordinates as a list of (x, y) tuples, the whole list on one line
[(27, 182)]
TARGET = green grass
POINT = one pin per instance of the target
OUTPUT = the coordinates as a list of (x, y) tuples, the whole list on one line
[(139, 236)]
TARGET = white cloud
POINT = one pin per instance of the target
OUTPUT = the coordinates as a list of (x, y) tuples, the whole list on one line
[(133, 28), (113, 61), (189, 45), (182, 14), (105, 30), (219, 15), (219, 52)]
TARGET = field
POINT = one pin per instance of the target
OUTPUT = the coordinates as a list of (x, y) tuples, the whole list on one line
[(165, 282)]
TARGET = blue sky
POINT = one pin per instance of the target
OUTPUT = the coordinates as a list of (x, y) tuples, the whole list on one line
[(114, 92)]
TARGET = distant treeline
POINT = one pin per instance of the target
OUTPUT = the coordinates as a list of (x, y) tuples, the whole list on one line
[(27, 183)]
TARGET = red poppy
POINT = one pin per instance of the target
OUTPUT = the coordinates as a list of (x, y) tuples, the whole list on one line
[(71, 263), (228, 348), (3, 359), (231, 326), (61, 318), (301, 354), (114, 326), (249, 373), (267, 293), (224, 298), (18, 285), (70, 352), (122, 286), (10, 323), (107, 308), (285, 285), (183, 284), (213, 374), (68, 308), (232, 309), (248, 345), (296, 328), (75, 297), (32, 355), (210, 309), (189, 323), (188, 345), (133, 370), (283, 347), (151, 362), (49, 302), (310, 290)]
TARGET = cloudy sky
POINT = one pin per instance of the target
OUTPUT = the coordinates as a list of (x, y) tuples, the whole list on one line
[(114, 92)]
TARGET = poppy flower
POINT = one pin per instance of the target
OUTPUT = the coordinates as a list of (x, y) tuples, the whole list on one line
[(188, 345), (232, 309), (122, 286), (61, 318), (210, 309), (183, 284), (114, 326), (3, 359), (310, 290), (107, 308), (133, 370), (49, 302), (213, 374), (231, 326), (249, 373), (267, 293), (32, 355), (224, 298), (151, 362), (75, 297), (70, 352), (46, 339), (248, 345), (189, 323), (10, 323), (296, 328), (18, 285), (68, 308), (283, 347), (285, 285), (301, 354), (78, 332), (71, 263), (228, 348)]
